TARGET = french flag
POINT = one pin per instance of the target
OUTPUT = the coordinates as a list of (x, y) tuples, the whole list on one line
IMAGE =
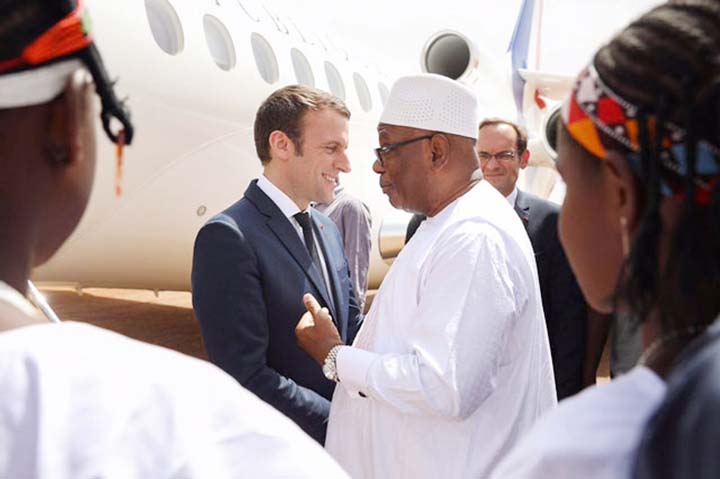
[(519, 48)]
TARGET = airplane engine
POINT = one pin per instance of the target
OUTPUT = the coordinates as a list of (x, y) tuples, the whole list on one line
[(548, 131), (453, 55), (541, 177)]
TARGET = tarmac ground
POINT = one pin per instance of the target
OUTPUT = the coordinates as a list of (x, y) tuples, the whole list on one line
[(165, 320)]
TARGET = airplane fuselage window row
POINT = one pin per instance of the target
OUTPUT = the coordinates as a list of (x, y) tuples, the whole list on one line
[(167, 31)]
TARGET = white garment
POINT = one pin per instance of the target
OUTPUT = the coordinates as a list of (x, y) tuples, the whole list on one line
[(592, 435), (512, 197), (80, 402), (37, 85), (453, 356), (290, 209), (16, 311)]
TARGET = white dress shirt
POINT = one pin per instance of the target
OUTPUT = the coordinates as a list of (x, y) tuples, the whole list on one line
[(512, 197), (592, 435), (290, 209), (452, 364), (82, 402)]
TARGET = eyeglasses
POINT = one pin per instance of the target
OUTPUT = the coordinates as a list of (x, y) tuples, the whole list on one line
[(383, 150), (501, 156)]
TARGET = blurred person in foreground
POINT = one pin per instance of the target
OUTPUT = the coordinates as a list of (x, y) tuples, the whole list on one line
[(79, 401), (680, 440), (639, 152)]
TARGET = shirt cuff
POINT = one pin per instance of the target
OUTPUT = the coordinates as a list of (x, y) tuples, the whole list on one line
[(353, 365)]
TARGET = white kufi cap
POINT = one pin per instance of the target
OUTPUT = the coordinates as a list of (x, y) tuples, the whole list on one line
[(432, 102)]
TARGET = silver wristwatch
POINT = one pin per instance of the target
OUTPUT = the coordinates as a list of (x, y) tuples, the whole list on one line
[(330, 365)]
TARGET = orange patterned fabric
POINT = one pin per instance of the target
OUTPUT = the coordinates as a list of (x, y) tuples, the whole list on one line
[(69, 35), (599, 120)]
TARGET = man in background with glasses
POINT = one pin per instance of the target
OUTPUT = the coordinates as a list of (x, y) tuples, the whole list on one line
[(452, 364), (576, 344)]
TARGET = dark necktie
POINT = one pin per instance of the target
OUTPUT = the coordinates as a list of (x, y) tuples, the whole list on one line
[(304, 220)]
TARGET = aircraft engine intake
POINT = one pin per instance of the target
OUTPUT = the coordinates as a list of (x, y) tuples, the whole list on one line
[(451, 54), (548, 131)]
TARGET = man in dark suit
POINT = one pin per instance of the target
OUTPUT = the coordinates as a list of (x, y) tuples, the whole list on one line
[(254, 261), (502, 148)]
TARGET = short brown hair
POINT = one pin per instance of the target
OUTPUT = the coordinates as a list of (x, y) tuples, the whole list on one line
[(284, 110), (522, 136)]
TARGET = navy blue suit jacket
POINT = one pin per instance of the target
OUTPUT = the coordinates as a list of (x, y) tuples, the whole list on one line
[(250, 271), (566, 312)]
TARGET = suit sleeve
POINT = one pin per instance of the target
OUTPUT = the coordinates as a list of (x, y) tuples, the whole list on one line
[(230, 307)]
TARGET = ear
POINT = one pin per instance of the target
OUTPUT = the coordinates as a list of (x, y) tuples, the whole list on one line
[(524, 158), (440, 149), (70, 130), (622, 188), (281, 146)]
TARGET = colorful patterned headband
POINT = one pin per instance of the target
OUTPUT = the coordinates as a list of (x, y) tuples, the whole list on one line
[(69, 35), (594, 115), (41, 70)]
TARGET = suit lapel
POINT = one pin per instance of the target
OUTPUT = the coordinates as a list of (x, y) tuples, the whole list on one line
[(338, 307), (522, 208), (287, 235)]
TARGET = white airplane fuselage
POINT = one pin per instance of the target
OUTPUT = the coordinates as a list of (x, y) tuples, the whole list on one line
[(193, 153), (193, 109)]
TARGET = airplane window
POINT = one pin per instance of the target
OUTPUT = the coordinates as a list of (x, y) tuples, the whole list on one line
[(265, 60), (384, 92), (335, 82), (165, 26), (303, 70), (363, 92), (219, 42)]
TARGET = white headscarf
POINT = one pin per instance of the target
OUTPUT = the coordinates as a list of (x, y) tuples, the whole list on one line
[(36, 86)]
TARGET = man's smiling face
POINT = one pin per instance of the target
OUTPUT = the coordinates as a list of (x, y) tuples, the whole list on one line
[(499, 158), (324, 141)]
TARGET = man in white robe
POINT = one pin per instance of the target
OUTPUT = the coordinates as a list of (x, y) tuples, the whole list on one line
[(452, 364)]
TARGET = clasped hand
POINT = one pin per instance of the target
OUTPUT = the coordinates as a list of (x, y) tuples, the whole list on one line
[(315, 332)]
